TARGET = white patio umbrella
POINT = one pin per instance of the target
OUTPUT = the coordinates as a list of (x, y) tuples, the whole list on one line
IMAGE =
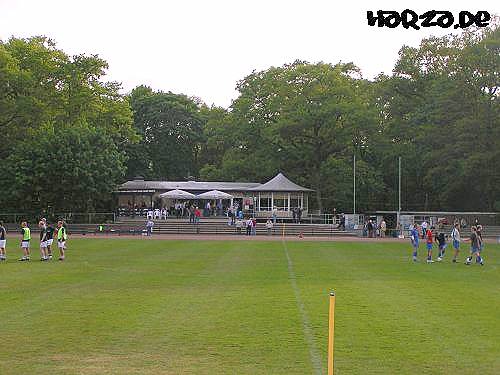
[(214, 194), (177, 194)]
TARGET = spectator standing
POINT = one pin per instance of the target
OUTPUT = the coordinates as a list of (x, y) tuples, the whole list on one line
[(383, 228), (299, 214), (254, 226), (269, 227), (249, 227), (149, 227), (197, 215), (274, 214), (369, 227), (342, 222), (239, 225), (424, 228)]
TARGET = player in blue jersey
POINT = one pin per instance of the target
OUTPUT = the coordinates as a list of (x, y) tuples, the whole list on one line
[(455, 238), (414, 241)]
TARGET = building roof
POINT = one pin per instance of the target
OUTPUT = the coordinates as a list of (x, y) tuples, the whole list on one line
[(278, 183), (187, 185)]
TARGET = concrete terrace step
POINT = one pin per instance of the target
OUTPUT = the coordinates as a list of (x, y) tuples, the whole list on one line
[(184, 227)]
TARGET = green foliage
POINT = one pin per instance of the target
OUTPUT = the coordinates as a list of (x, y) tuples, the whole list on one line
[(170, 126), (56, 112), (68, 169)]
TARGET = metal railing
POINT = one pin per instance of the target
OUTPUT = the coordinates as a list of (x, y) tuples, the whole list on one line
[(69, 217)]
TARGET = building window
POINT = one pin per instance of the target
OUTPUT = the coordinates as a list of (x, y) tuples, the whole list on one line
[(265, 204), (294, 201), (281, 203)]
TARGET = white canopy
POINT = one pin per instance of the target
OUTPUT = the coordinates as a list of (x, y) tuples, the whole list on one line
[(214, 194), (177, 194)]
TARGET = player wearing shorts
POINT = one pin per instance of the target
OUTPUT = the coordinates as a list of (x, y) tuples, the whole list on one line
[(441, 240), (43, 241), (455, 238), (429, 241), (479, 231), (414, 241), (50, 239), (3, 242), (475, 248), (25, 241), (61, 239)]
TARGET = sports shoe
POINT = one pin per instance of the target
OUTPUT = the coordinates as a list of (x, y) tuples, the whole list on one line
[(430, 261), (454, 261), (24, 259), (61, 258), (415, 259), (440, 259), (50, 257)]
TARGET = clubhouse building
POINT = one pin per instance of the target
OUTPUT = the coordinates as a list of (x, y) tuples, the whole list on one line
[(258, 198)]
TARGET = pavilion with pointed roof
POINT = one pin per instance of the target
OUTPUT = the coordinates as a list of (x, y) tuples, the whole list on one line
[(260, 199)]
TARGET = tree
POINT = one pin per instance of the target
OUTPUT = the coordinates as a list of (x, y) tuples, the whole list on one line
[(297, 118), (65, 169), (440, 112), (171, 129), (44, 93)]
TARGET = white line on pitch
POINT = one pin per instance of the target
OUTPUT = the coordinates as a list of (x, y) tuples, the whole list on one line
[(313, 350)]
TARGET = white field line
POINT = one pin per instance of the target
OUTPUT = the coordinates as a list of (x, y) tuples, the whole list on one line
[(316, 360)]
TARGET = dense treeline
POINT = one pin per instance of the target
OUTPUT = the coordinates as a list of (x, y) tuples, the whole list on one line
[(69, 137)]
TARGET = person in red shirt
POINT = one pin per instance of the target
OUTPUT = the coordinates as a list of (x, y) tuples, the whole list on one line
[(197, 215), (429, 240)]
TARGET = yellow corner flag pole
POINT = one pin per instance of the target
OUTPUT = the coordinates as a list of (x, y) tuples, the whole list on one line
[(331, 327)]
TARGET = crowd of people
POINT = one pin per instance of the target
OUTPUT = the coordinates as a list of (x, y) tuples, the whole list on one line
[(438, 237), (47, 234)]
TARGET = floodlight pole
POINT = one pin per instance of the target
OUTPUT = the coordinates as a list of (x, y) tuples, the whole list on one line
[(354, 185), (399, 194), (331, 327)]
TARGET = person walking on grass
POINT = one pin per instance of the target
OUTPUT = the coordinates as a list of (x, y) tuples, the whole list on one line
[(414, 237), (25, 241), (61, 239), (475, 248), (455, 238), (3, 242), (43, 241)]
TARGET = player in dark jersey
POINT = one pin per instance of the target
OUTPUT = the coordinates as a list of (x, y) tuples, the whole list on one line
[(50, 239), (475, 248), (441, 240), (43, 241), (3, 242)]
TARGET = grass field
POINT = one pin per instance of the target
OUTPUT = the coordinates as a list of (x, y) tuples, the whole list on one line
[(198, 307)]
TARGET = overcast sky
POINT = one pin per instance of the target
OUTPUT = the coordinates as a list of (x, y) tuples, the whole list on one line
[(203, 47)]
